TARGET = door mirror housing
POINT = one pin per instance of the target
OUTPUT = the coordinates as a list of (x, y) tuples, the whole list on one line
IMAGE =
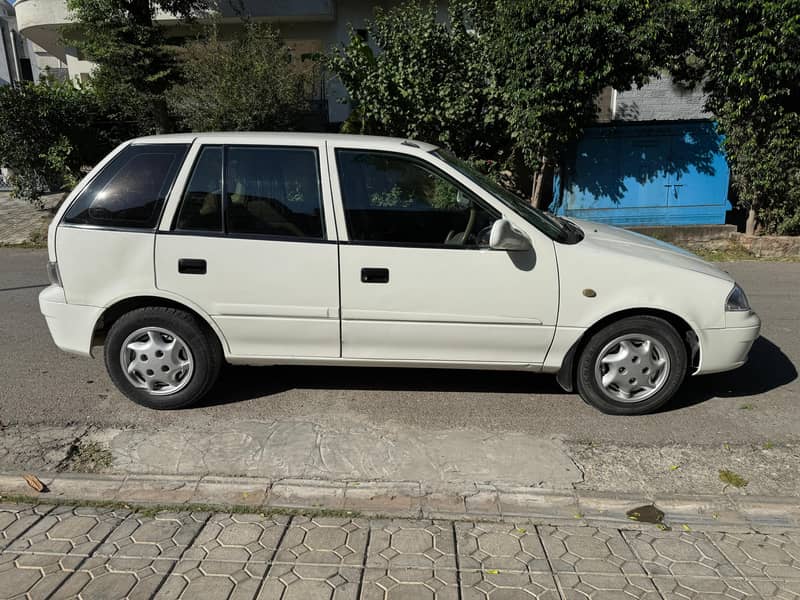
[(504, 236)]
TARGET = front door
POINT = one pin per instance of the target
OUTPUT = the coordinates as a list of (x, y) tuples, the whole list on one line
[(418, 281), (249, 245)]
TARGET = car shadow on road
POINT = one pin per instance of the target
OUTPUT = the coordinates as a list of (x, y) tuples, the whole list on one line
[(766, 369), (239, 383)]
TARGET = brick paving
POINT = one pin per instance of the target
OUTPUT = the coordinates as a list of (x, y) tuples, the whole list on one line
[(19, 220), (104, 553)]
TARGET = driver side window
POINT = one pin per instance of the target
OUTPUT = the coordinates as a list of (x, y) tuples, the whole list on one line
[(396, 199)]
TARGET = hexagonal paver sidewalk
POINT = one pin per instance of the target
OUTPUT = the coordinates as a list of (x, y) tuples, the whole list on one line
[(106, 553)]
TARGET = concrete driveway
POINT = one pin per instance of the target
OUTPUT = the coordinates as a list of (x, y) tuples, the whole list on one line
[(755, 404)]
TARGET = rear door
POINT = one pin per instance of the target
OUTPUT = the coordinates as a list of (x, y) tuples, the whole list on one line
[(250, 241)]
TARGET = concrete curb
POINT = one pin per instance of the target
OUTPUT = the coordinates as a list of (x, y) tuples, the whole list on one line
[(412, 500)]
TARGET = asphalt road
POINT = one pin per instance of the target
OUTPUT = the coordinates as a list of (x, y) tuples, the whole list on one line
[(756, 403)]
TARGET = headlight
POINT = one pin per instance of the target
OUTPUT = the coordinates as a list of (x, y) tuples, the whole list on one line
[(737, 300)]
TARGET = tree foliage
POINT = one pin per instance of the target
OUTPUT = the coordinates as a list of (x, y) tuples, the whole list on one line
[(559, 55), (246, 83), (134, 65), (747, 53), (44, 136), (430, 80)]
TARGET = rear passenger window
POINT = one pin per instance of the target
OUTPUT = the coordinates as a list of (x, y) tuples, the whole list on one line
[(201, 208), (130, 191), (273, 191)]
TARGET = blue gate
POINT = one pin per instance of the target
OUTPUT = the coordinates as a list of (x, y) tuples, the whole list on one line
[(625, 175)]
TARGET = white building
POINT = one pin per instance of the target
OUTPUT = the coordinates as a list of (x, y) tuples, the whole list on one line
[(20, 58), (10, 46)]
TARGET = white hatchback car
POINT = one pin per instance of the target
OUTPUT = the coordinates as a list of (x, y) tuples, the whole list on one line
[(179, 252)]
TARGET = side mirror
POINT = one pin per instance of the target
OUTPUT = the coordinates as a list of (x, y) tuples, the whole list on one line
[(504, 236)]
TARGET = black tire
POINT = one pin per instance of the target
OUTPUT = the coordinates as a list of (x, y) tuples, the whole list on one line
[(653, 327), (203, 344)]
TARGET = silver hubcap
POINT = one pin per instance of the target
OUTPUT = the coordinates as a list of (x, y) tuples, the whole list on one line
[(632, 367), (156, 360)]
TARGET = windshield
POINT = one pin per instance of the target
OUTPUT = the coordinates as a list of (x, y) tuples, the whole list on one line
[(554, 227)]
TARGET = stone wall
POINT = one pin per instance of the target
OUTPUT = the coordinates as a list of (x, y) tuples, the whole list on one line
[(771, 246), (660, 100), (700, 238)]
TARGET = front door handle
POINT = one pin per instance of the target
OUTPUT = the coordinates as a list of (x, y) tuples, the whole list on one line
[(379, 275), (192, 266)]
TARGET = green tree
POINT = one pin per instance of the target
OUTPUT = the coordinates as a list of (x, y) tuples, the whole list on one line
[(134, 65), (559, 55), (747, 54), (245, 83), (429, 80), (45, 136)]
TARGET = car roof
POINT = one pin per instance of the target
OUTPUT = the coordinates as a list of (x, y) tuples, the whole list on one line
[(278, 136)]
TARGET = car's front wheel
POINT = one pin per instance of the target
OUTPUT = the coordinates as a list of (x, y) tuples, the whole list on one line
[(632, 366), (162, 357)]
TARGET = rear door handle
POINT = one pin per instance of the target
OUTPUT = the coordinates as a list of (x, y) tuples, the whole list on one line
[(192, 266), (369, 275)]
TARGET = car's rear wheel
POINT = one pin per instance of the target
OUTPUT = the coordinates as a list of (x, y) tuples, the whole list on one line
[(162, 357), (632, 366)]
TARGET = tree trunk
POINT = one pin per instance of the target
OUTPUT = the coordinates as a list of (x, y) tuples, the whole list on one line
[(752, 222), (141, 12), (542, 192)]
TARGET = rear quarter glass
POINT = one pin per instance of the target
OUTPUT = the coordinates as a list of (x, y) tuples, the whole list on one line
[(130, 191)]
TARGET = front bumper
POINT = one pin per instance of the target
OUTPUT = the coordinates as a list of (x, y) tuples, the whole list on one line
[(71, 325), (727, 348)]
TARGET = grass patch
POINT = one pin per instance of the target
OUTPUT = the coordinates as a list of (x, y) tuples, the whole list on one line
[(732, 251), (26, 245), (38, 238), (747, 407), (723, 251), (728, 477), (86, 457), (151, 510)]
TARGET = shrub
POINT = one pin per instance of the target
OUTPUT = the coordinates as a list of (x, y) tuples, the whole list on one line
[(44, 137), (246, 83)]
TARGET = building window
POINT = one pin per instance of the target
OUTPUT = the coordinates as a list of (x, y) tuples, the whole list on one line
[(25, 69)]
